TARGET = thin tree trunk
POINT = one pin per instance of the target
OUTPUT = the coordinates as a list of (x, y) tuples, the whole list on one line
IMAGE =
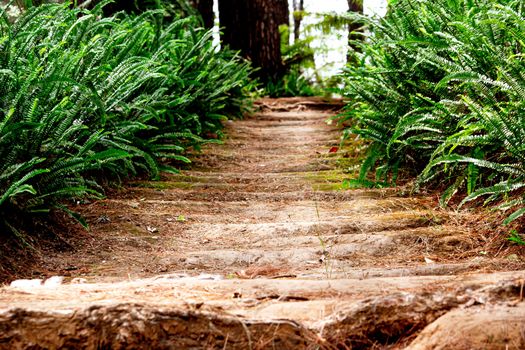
[(234, 24), (253, 28), (298, 8), (353, 29), (205, 8)]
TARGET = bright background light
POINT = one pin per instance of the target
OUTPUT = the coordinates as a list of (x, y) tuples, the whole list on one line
[(331, 49)]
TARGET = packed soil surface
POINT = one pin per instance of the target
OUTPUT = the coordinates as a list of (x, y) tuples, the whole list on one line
[(257, 245)]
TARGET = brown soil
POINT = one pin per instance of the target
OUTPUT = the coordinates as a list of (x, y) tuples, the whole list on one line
[(258, 246)]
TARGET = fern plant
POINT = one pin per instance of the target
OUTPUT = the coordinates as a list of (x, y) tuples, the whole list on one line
[(439, 89), (85, 97)]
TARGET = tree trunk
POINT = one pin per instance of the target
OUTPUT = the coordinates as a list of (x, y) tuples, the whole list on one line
[(298, 8), (205, 8), (253, 28), (353, 29)]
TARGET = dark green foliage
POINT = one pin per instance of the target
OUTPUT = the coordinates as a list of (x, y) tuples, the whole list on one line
[(440, 88), (292, 84), (84, 97), (296, 58)]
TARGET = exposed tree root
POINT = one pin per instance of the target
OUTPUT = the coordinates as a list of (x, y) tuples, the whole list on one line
[(134, 326), (370, 322)]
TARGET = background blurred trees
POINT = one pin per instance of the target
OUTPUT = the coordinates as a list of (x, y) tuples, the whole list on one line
[(252, 27)]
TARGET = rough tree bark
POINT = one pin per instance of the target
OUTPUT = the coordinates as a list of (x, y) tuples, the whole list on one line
[(353, 29), (205, 8), (253, 28)]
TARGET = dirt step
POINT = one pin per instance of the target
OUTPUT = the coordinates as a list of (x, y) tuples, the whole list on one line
[(363, 210), (222, 195), (244, 186), (266, 223)]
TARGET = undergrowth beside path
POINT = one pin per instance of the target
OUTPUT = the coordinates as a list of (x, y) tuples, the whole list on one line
[(439, 88), (85, 97)]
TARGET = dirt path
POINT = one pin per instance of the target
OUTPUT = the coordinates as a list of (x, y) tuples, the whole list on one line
[(258, 247)]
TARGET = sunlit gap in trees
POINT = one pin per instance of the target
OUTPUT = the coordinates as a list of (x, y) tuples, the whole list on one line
[(331, 49)]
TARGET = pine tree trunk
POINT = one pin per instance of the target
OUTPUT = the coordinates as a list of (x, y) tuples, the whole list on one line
[(205, 8), (353, 28), (298, 7), (253, 28)]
